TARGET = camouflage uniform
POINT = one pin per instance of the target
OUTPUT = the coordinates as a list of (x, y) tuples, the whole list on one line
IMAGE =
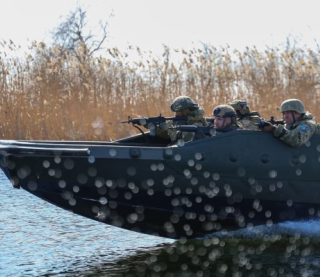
[(301, 130), (194, 117), (225, 111), (249, 120)]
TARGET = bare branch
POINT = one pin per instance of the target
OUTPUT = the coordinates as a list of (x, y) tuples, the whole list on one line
[(72, 31)]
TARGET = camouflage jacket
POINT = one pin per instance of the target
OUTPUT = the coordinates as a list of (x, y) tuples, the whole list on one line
[(298, 133), (250, 122), (195, 117), (232, 126), (235, 126)]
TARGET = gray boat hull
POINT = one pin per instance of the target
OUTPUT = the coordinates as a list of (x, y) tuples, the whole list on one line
[(234, 180)]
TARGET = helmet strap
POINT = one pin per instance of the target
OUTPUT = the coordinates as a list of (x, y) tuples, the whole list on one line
[(293, 116)]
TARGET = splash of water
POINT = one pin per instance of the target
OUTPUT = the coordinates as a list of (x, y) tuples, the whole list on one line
[(308, 228)]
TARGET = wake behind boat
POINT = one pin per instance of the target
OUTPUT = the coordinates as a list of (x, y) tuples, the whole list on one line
[(226, 182)]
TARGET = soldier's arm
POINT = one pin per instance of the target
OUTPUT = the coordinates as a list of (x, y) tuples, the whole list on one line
[(198, 121), (165, 131), (162, 133), (297, 136)]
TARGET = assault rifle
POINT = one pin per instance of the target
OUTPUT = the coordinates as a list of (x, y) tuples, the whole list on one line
[(200, 131), (264, 123), (154, 120), (161, 119), (210, 120), (275, 121)]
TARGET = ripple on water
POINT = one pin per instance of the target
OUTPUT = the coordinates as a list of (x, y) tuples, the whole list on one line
[(39, 239)]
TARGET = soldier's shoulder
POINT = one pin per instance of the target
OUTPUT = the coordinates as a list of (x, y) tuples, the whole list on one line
[(236, 126), (311, 121), (199, 112), (196, 115), (250, 123), (308, 125)]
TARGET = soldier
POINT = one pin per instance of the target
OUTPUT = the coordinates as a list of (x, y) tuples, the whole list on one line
[(225, 118), (299, 124), (249, 120), (182, 106)]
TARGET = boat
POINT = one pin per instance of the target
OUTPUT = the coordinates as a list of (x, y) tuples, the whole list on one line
[(234, 180)]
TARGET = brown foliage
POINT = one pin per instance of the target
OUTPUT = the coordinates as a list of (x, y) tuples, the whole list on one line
[(46, 95)]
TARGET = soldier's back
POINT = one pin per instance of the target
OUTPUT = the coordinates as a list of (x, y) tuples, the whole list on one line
[(250, 121)]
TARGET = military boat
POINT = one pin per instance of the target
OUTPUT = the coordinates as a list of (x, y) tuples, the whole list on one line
[(234, 180)]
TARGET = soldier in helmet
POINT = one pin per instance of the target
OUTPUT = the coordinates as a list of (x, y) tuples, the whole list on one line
[(186, 107), (249, 120), (225, 118), (299, 124)]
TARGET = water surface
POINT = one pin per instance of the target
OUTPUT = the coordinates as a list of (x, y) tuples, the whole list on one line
[(39, 239)]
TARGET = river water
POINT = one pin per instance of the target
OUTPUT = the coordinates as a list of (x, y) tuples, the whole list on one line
[(39, 239)]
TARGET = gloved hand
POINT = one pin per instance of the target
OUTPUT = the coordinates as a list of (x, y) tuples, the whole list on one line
[(149, 126), (266, 126), (164, 126)]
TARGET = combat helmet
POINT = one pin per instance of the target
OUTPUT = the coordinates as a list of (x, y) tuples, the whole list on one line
[(224, 111), (183, 102), (292, 105), (240, 107)]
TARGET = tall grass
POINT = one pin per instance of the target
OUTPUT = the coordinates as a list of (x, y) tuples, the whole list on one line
[(46, 95)]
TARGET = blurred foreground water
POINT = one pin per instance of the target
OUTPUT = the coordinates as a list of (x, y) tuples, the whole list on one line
[(39, 239)]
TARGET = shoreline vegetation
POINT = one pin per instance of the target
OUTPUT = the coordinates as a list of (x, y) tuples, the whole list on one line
[(49, 94)]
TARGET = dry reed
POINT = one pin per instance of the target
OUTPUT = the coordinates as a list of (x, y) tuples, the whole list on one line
[(46, 95)]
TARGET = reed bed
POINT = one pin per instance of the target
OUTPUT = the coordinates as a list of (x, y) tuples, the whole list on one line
[(46, 95)]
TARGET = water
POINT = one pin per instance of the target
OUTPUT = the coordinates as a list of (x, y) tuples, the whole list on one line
[(39, 239)]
